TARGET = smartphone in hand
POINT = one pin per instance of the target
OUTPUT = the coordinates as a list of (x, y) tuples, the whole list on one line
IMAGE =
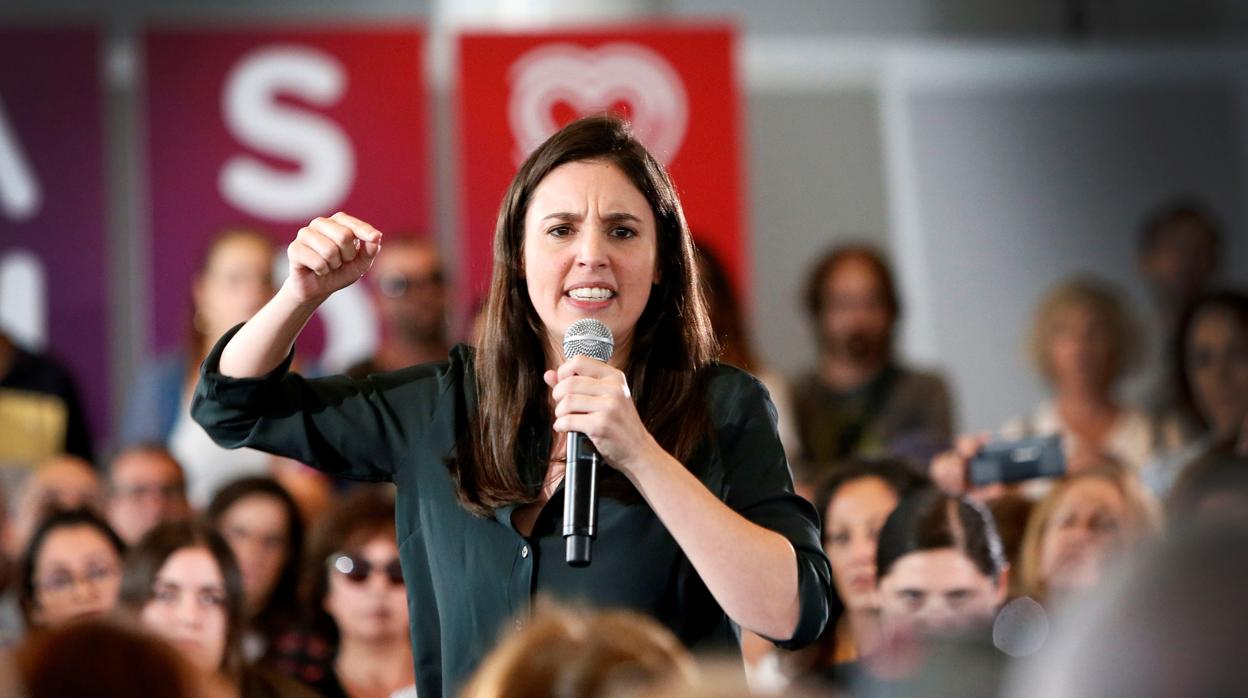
[(1015, 461)]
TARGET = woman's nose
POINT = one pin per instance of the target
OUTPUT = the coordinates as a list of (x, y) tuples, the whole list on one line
[(591, 249)]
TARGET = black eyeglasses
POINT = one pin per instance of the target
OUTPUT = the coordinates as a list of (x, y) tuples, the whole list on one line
[(397, 285), (358, 569)]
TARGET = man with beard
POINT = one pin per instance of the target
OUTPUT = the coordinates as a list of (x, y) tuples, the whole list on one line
[(411, 296), (859, 401)]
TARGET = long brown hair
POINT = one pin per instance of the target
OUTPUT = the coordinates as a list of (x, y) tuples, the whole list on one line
[(145, 560), (671, 342)]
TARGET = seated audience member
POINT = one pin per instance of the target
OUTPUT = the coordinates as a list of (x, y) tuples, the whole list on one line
[(1179, 246), (182, 583), (1211, 401), (859, 400), (941, 576), (1213, 487), (561, 652), (233, 281), (146, 487), (100, 657), (59, 483), (728, 321), (409, 287), (71, 569), (853, 501), (939, 566), (1083, 341), (40, 413), (358, 644), (1168, 623), (262, 525), (1086, 521)]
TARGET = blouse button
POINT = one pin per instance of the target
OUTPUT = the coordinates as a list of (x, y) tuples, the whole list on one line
[(524, 551)]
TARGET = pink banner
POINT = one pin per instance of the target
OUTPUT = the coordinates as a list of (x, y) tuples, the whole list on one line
[(269, 129), (53, 247), (677, 84)]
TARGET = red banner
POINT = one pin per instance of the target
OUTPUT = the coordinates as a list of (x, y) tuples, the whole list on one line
[(53, 248), (677, 85), (269, 129)]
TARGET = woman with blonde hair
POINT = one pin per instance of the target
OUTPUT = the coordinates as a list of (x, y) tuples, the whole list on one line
[(1083, 341), (1084, 522), (561, 651)]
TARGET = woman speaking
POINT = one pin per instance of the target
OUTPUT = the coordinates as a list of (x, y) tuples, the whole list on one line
[(698, 525)]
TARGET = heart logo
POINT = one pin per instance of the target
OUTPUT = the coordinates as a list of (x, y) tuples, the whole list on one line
[(555, 83)]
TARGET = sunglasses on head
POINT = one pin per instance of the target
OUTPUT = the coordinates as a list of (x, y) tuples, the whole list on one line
[(358, 569)]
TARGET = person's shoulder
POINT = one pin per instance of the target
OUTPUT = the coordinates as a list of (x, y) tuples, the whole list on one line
[(921, 379), (263, 683), (721, 378), (452, 369), (732, 392)]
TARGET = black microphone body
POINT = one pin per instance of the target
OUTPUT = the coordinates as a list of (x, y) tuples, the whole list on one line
[(580, 480)]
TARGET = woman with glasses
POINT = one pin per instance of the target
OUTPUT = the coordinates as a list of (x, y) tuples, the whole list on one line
[(182, 583), (71, 569), (357, 641)]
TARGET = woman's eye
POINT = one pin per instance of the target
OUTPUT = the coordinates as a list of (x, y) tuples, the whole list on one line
[(166, 595), (560, 231), (212, 599), (839, 538), (624, 233)]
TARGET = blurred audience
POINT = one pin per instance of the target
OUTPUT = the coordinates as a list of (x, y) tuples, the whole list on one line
[(265, 531), (71, 569), (940, 574), (1011, 512), (1211, 401), (409, 286), (181, 582), (729, 323), (1083, 341), (357, 642), (59, 483), (234, 280), (940, 567), (100, 657), (853, 502), (146, 487), (1213, 487), (1078, 530), (40, 412), (562, 652), (859, 400), (1168, 623), (1179, 248)]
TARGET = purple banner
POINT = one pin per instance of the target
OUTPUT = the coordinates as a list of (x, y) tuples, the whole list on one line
[(53, 248)]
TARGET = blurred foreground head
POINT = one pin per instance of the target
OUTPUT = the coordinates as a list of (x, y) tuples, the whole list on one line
[(100, 657), (1170, 623), (561, 652)]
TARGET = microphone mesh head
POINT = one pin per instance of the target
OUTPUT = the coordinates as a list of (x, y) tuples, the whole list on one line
[(588, 337)]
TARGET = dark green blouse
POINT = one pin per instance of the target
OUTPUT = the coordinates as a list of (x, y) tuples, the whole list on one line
[(468, 577)]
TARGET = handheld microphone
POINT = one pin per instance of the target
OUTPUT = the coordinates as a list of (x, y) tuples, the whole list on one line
[(591, 338)]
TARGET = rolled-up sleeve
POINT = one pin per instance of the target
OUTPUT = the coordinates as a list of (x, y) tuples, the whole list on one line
[(759, 485), (339, 425)]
